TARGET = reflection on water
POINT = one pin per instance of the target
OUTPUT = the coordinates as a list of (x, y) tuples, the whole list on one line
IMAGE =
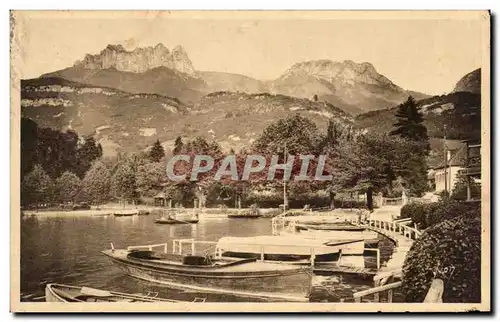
[(67, 250)]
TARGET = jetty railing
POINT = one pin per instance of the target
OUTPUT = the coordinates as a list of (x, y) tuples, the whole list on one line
[(392, 201), (434, 294), (376, 291), (397, 227)]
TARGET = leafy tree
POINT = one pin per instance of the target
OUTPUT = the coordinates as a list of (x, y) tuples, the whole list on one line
[(410, 122), (376, 161), (36, 186), (67, 187), (300, 135), (157, 152), (97, 183), (29, 139), (178, 145), (460, 189), (149, 178), (86, 154), (123, 181), (200, 146)]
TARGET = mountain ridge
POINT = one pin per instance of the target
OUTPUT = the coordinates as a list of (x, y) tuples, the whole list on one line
[(138, 60), (353, 87)]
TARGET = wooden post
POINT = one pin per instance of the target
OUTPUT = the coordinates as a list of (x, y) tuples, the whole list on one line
[(378, 258), (192, 247), (165, 248), (313, 257), (435, 293), (389, 296), (376, 296), (262, 253), (180, 247)]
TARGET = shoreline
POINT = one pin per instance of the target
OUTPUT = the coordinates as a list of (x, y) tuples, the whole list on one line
[(205, 212)]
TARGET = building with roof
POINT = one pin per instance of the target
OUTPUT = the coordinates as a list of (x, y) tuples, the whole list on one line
[(446, 174), (472, 169)]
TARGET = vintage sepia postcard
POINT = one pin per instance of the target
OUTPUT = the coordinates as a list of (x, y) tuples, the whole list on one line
[(241, 161)]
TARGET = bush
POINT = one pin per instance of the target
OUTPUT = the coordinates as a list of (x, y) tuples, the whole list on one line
[(454, 243), (427, 215)]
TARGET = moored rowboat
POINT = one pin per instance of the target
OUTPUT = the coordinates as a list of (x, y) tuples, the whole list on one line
[(328, 227), (70, 293), (125, 213), (171, 221), (244, 215), (289, 248), (243, 277)]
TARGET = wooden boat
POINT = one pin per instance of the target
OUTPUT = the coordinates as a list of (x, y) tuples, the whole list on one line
[(125, 213), (344, 227), (244, 215), (369, 237), (289, 248), (70, 293), (332, 234), (173, 221), (241, 277), (143, 212)]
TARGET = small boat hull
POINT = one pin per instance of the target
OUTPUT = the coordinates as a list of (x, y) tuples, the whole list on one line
[(248, 277), (332, 227), (175, 221), (69, 293), (125, 213), (290, 247), (243, 216)]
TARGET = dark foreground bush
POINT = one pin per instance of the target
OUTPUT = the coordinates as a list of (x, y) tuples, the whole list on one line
[(450, 251), (427, 215)]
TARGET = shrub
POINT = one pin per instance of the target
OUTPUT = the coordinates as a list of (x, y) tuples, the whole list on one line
[(453, 246), (427, 215)]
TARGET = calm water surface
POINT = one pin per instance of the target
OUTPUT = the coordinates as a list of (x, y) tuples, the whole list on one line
[(67, 250)]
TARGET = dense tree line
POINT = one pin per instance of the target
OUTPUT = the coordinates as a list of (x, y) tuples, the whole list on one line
[(60, 166)]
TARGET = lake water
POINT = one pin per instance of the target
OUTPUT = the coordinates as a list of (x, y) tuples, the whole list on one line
[(66, 249)]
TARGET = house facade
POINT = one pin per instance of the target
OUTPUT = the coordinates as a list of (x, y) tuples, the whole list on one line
[(445, 178)]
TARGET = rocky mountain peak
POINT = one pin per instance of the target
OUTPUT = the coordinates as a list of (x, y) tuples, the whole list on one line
[(470, 82), (139, 60), (347, 71)]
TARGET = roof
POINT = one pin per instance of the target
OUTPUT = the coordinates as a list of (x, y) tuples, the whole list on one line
[(458, 157)]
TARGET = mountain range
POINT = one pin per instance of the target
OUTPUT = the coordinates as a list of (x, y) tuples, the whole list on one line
[(127, 99)]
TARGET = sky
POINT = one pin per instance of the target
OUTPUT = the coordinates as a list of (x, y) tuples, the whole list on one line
[(426, 53)]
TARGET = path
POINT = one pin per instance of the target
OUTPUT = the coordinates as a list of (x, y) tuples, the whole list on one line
[(383, 221)]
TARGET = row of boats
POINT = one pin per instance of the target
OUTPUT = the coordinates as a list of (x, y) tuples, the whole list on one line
[(170, 218), (277, 267)]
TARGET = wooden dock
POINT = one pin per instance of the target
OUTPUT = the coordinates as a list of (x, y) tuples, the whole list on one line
[(403, 237), (334, 269)]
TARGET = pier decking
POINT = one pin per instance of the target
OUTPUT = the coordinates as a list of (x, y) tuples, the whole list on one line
[(383, 222)]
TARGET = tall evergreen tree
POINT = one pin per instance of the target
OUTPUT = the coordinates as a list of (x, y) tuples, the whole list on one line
[(410, 122), (178, 145), (157, 152), (410, 127)]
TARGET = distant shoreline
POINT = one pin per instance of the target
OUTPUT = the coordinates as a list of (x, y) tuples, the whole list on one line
[(205, 212)]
